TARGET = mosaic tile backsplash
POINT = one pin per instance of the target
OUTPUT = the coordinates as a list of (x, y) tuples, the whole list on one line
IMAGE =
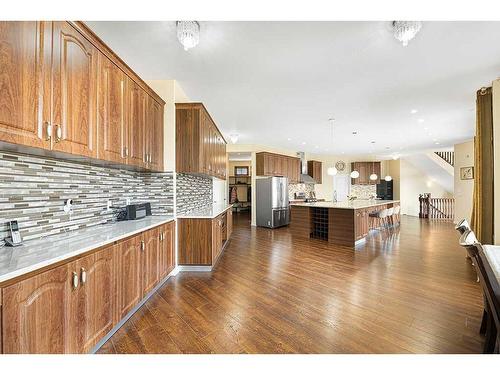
[(193, 192), (300, 188), (364, 191), (33, 190)]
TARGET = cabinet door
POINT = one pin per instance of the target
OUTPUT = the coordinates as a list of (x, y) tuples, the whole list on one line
[(74, 104), (204, 142), (95, 305), (154, 134), (216, 238), (25, 55), (167, 246), (112, 130), (129, 284), (151, 260), (37, 314), (136, 118), (318, 172)]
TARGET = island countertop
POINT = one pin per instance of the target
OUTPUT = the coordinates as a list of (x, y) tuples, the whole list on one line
[(349, 205)]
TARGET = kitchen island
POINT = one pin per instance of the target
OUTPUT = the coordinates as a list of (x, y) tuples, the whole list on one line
[(341, 223)]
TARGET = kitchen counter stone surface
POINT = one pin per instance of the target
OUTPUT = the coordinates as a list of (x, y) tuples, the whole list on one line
[(350, 205), (39, 253), (208, 212)]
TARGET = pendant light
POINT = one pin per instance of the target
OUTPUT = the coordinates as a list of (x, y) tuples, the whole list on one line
[(373, 176), (188, 33), (354, 174), (404, 31), (388, 178), (332, 171)]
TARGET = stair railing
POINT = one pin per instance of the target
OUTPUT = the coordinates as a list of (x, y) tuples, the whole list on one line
[(447, 156), (436, 208)]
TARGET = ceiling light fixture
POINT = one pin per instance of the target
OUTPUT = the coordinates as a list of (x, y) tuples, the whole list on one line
[(404, 31), (354, 174), (413, 111), (188, 33), (332, 171), (373, 176), (388, 178), (234, 138)]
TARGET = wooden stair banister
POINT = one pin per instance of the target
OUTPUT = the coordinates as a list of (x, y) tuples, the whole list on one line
[(447, 156), (436, 208)]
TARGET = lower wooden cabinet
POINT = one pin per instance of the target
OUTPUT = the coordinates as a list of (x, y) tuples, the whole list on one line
[(202, 240), (167, 249), (361, 223), (38, 314), (70, 308)]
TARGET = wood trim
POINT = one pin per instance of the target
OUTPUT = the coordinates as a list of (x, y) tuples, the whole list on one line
[(69, 260), (106, 50)]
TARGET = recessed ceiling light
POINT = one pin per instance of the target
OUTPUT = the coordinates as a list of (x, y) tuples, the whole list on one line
[(289, 139), (421, 120), (303, 143), (434, 140), (413, 111), (426, 128), (342, 152), (436, 143), (316, 146)]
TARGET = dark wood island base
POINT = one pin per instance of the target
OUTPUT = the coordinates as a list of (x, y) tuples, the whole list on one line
[(341, 223)]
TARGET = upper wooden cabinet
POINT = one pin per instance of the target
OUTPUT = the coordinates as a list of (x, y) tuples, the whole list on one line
[(112, 110), (74, 90), (269, 164), (315, 170), (200, 147), (23, 48), (62, 89), (365, 169)]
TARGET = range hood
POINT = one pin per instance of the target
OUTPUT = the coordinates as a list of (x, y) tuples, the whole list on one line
[(304, 177)]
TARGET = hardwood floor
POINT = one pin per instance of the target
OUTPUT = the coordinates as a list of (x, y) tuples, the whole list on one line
[(408, 290)]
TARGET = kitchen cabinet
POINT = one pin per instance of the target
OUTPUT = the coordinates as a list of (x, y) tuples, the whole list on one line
[(37, 314), (200, 147), (65, 91), (269, 164), (112, 121), (74, 90), (154, 135), (150, 247), (24, 53), (229, 223), (361, 223), (95, 298), (129, 275), (365, 169), (315, 170), (68, 309), (167, 249), (202, 240)]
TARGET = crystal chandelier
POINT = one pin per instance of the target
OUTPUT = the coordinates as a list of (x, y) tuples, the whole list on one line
[(188, 33), (404, 31)]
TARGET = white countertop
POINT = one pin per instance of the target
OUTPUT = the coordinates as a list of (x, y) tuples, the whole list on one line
[(493, 255), (36, 254), (208, 212), (350, 205)]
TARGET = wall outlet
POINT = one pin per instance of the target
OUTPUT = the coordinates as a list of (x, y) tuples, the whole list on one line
[(67, 205), (127, 201)]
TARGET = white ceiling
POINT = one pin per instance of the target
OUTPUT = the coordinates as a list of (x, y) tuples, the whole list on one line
[(277, 83)]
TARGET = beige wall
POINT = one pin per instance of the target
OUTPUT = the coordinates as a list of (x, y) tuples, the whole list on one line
[(463, 189), (414, 182), (171, 93)]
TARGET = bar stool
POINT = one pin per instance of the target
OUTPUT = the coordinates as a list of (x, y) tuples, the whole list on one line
[(395, 215), (379, 216), (390, 212)]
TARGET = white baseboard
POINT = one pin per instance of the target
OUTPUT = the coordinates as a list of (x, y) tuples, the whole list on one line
[(194, 268)]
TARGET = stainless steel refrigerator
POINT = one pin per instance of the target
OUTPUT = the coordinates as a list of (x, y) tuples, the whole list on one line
[(272, 205)]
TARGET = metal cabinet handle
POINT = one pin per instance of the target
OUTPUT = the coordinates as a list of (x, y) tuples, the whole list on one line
[(75, 280), (58, 133), (125, 151), (142, 245), (83, 275), (49, 130)]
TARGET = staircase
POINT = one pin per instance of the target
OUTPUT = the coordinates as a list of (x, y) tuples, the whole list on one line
[(447, 156), (436, 208)]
